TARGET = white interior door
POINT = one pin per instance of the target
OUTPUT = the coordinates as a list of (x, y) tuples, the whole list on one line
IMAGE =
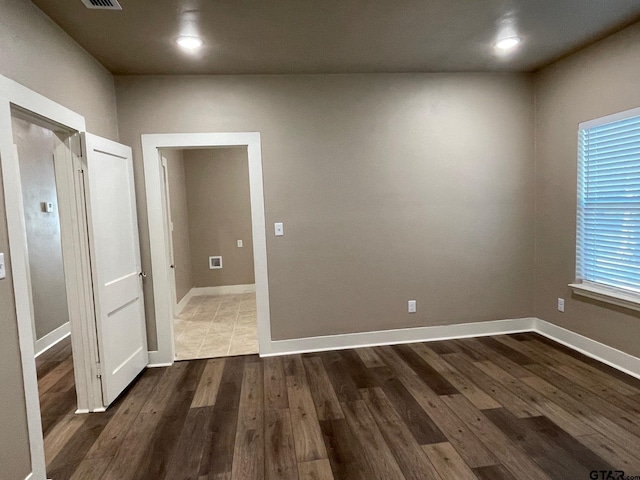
[(170, 257), (115, 260)]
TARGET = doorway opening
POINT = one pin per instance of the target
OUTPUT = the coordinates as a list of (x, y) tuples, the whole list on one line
[(159, 223), (39, 145), (211, 251)]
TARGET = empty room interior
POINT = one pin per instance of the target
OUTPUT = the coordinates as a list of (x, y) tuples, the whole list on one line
[(319, 240)]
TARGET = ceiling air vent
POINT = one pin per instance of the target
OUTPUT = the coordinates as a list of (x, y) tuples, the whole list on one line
[(102, 4)]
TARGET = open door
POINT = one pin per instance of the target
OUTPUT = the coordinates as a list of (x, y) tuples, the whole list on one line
[(115, 261)]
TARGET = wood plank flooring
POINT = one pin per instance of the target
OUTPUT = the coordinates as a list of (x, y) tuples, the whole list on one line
[(500, 408)]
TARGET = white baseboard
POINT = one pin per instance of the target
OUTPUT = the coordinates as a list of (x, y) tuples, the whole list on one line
[(392, 337), (611, 356), (183, 303), (51, 338), (160, 365), (223, 290), (608, 355), (31, 476)]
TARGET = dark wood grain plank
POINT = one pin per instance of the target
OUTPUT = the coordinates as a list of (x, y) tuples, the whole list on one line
[(345, 388), (280, 454), (275, 384), (366, 431), (347, 457), (547, 454), (315, 470), (502, 447), (184, 463), (207, 391), (494, 472), (217, 458), (514, 355), (409, 455), (369, 357), (519, 407), (248, 454), (304, 419), (448, 462), (466, 387), (160, 446), (467, 444), (420, 424), (559, 415), (620, 458), (427, 374), (324, 397)]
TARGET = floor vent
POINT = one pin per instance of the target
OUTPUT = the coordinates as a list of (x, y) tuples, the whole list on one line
[(102, 4)]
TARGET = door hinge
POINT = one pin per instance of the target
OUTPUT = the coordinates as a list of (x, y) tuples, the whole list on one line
[(98, 370)]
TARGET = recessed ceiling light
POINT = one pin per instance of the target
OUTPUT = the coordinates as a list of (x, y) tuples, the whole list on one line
[(507, 43), (190, 43)]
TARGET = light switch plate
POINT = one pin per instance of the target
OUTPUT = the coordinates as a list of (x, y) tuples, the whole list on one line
[(3, 269), (412, 307), (279, 229)]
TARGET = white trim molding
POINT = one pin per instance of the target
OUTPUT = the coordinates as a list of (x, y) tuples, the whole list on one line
[(398, 336), (223, 290), (608, 355), (183, 303), (159, 226), (608, 295), (51, 338), (591, 348), (13, 94)]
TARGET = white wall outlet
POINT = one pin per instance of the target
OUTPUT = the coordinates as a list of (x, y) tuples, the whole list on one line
[(215, 263), (3, 268), (47, 207), (279, 229), (412, 307), (561, 304), (239, 243)]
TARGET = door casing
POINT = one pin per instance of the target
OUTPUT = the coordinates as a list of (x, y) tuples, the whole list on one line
[(158, 222), (15, 98)]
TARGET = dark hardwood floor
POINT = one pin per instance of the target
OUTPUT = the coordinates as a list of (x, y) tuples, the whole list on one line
[(495, 408)]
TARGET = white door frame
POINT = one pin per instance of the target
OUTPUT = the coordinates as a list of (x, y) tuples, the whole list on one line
[(159, 225), (16, 95)]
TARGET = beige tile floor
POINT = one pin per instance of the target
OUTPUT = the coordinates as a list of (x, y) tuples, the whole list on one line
[(217, 326)]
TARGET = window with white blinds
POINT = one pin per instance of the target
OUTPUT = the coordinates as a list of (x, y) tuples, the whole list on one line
[(608, 217)]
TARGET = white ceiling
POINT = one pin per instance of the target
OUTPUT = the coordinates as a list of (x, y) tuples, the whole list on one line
[(335, 36)]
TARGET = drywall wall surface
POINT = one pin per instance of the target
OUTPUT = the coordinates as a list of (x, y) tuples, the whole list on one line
[(49, 293), (180, 221), (39, 55), (217, 181), (15, 460), (597, 81), (391, 187)]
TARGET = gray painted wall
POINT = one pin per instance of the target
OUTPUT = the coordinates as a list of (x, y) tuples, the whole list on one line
[(391, 187), (597, 81), (217, 186), (35, 149), (36, 53)]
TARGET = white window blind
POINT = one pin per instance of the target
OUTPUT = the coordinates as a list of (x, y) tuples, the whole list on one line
[(608, 217)]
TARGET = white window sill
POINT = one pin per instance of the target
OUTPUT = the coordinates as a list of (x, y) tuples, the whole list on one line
[(608, 295)]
